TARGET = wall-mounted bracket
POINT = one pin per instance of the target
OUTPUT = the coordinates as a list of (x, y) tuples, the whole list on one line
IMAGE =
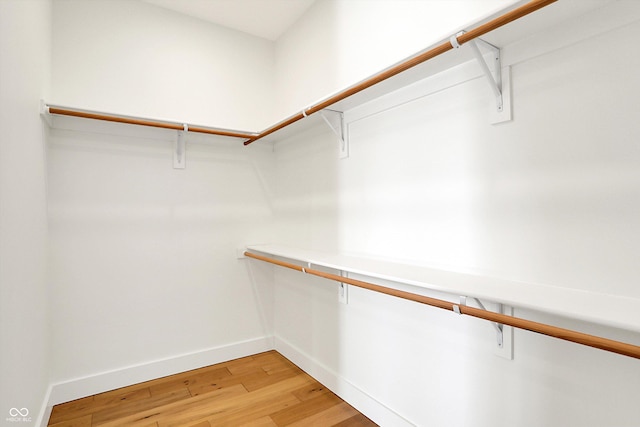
[(335, 120), (180, 152), (497, 326), (506, 350), (45, 114), (504, 334), (343, 289), (497, 77), (463, 302), (494, 78)]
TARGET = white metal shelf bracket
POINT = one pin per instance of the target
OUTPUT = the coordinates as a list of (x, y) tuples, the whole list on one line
[(498, 79), (494, 78), (504, 334), (335, 121), (497, 326), (45, 114), (343, 289), (180, 152)]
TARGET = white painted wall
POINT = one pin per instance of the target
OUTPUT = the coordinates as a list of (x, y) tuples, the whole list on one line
[(143, 256), (550, 198), (338, 43), (25, 64), (130, 57)]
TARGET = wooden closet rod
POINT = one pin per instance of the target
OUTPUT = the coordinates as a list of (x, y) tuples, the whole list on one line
[(541, 328), (145, 122), (498, 22)]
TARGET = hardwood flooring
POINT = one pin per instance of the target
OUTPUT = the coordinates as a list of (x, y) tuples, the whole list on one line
[(264, 390)]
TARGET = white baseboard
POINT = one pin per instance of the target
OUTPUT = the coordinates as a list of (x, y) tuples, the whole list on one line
[(45, 410), (359, 399), (105, 381)]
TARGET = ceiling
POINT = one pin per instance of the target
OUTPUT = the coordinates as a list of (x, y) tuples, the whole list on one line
[(268, 19)]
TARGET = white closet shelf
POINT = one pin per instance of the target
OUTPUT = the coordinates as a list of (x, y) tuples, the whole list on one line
[(610, 310)]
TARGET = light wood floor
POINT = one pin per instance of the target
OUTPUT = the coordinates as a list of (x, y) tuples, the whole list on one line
[(264, 390)]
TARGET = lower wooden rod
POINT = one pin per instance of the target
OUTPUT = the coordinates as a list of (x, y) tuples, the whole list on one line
[(540, 328)]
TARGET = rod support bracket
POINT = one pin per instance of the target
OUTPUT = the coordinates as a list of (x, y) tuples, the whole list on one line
[(45, 113), (454, 40), (499, 81), (494, 78), (343, 289), (180, 145), (499, 327), (463, 302), (335, 120)]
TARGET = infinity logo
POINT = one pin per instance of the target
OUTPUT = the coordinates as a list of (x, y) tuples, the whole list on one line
[(14, 412)]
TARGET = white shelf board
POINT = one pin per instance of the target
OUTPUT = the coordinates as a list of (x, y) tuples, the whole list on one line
[(611, 310)]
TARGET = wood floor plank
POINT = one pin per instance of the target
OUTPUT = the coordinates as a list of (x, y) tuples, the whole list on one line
[(329, 417), (152, 384), (252, 376), (196, 413), (97, 403), (126, 409), (257, 361), (257, 382), (188, 410), (242, 365), (246, 377), (136, 391), (357, 421), (260, 422), (70, 410), (268, 357), (239, 414), (75, 422), (305, 409), (310, 391), (185, 382), (259, 403), (273, 362)]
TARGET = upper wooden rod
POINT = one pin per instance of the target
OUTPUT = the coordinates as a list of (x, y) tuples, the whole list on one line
[(529, 325), (145, 122), (498, 22)]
